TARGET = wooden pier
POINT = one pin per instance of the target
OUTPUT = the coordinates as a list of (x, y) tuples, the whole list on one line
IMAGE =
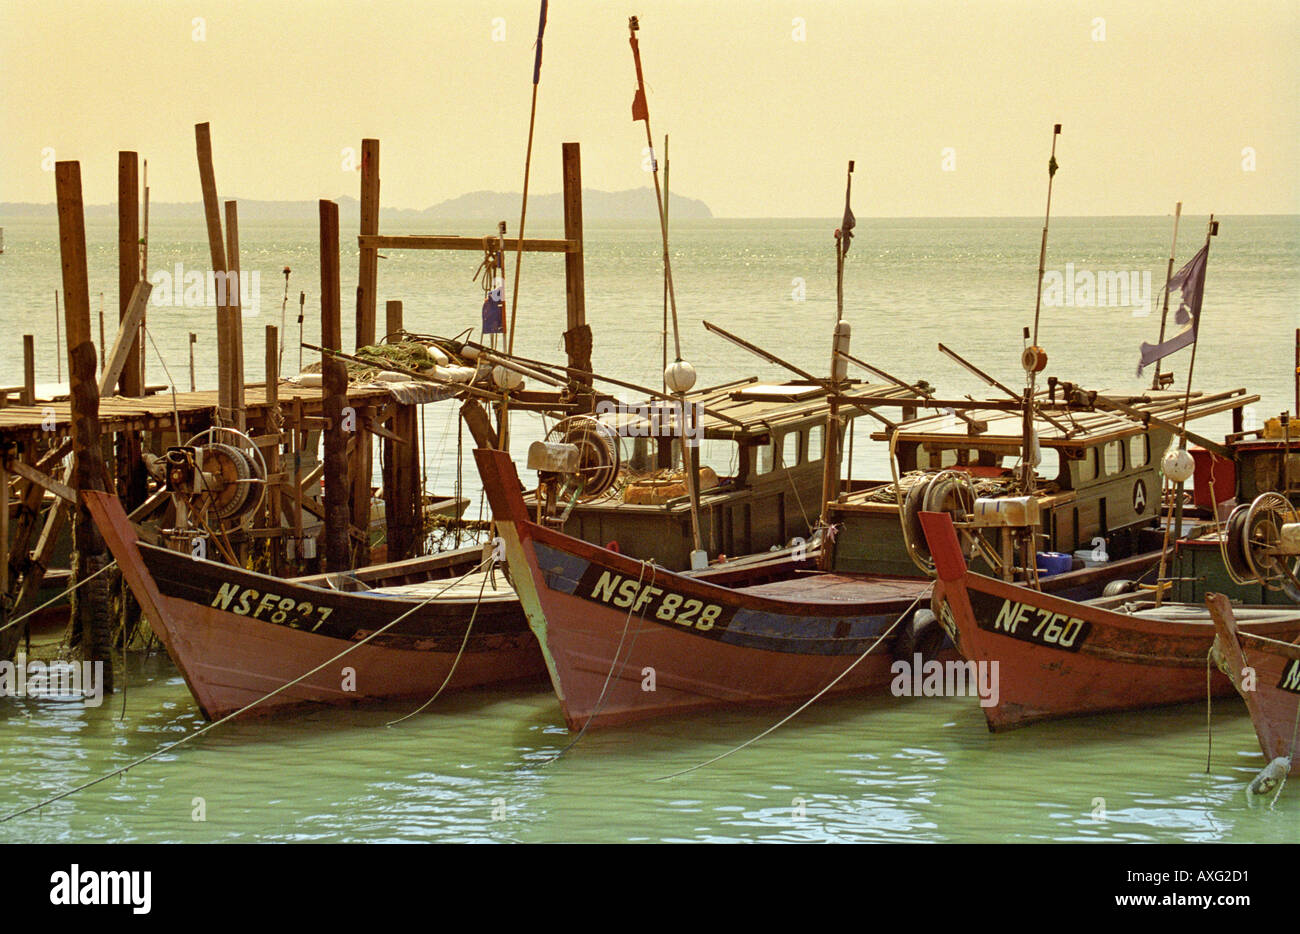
[(109, 431)]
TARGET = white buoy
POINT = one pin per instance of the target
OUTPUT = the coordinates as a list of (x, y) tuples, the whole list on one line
[(1178, 465), (507, 379), (679, 377)]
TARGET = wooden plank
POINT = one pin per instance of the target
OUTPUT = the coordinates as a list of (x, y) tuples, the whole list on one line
[(61, 490), (472, 244), (368, 262), (119, 358)]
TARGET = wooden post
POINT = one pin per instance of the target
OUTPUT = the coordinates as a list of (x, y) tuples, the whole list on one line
[(362, 458), (234, 315), (402, 506), (29, 369), (273, 426), (193, 338), (393, 316), (577, 335), (128, 262), (217, 249), (334, 396), (92, 612), (368, 262)]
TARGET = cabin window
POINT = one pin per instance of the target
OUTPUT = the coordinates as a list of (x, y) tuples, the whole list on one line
[(1049, 462), (1113, 457), (769, 456), (1139, 451), (815, 436), (720, 455), (792, 444), (1088, 465)]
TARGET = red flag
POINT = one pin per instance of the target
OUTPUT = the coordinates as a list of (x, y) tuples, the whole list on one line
[(639, 110)]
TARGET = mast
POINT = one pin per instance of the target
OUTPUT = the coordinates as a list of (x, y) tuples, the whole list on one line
[(1169, 274), (839, 366), (679, 376)]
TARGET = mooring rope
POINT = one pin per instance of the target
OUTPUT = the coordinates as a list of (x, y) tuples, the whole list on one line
[(456, 661), (231, 716), (55, 599), (806, 704)]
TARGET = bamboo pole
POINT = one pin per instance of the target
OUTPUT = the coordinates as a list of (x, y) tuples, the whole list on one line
[(128, 263)]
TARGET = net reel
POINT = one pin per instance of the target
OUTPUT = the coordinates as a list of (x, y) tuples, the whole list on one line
[(1261, 544), (217, 480), (577, 461), (950, 491)]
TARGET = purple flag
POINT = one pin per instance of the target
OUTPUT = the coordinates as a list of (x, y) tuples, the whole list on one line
[(493, 317), (1190, 280)]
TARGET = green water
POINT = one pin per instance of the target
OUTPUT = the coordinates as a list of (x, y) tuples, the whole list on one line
[(477, 769), (857, 769)]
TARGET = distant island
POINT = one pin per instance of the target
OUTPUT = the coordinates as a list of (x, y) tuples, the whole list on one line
[(632, 204)]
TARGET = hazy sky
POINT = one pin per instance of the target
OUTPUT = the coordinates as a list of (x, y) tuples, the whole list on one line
[(765, 102)]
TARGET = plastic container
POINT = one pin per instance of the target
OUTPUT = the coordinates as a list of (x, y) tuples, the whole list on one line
[(1053, 562)]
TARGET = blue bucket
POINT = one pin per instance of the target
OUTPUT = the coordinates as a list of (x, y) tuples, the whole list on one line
[(1053, 562)]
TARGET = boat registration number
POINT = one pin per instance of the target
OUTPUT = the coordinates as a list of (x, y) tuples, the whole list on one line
[(281, 611), (1291, 677), (1033, 624), (645, 599)]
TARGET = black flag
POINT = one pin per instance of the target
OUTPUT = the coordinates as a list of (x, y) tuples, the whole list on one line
[(849, 222)]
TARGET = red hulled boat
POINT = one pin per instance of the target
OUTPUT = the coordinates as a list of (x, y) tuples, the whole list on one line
[(1272, 693), (1061, 658), (237, 636), (625, 640)]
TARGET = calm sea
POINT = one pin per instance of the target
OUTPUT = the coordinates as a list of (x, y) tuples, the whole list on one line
[(852, 769)]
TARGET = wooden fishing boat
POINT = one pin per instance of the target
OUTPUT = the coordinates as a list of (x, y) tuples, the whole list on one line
[(1266, 672), (1059, 658), (625, 640), (237, 636)]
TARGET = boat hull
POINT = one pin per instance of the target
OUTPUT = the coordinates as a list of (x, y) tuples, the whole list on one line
[(1272, 694), (238, 637), (1062, 658), (627, 641)]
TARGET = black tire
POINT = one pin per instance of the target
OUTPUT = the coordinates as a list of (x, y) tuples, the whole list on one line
[(912, 505), (920, 634), (1233, 548)]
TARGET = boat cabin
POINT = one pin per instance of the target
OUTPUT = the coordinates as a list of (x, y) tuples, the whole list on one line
[(761, 452), (1098, 485)]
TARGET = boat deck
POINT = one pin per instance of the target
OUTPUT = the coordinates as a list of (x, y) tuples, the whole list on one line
[(815, 587), (469, 587)]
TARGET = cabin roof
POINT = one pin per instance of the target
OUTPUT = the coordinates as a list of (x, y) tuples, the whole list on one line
[(748, 409), (1066, 427)]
